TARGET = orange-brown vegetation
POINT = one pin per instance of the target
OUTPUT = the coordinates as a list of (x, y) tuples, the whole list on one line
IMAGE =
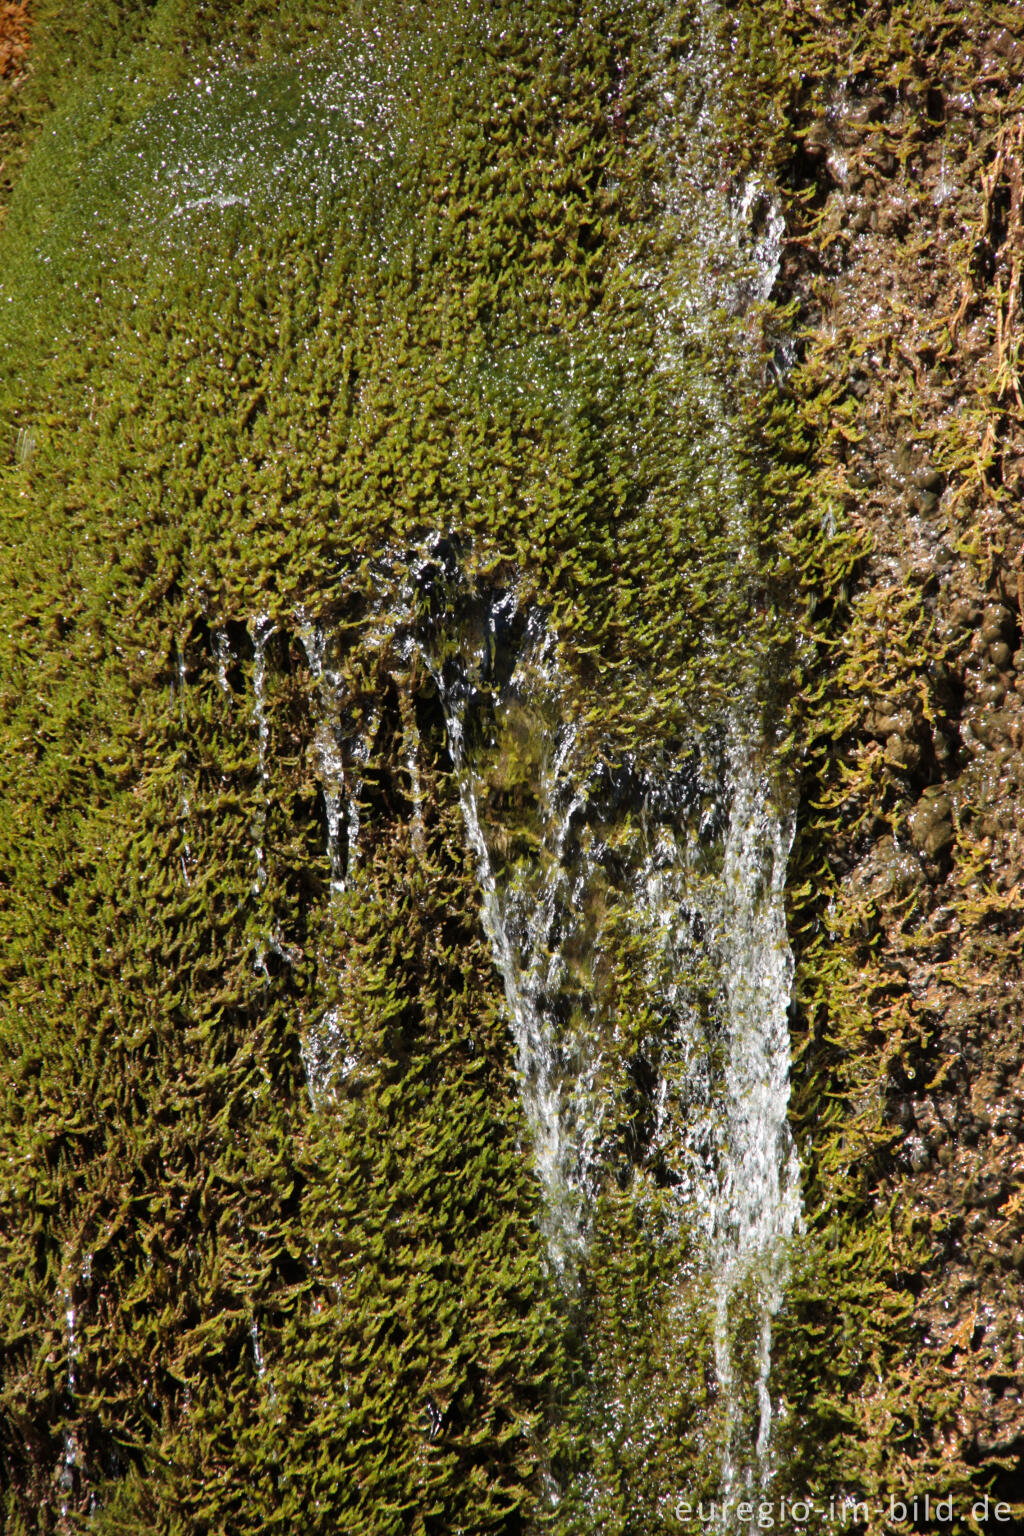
[(14, 26)]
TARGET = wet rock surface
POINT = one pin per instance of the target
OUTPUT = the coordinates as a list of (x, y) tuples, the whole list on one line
[(914, 167)]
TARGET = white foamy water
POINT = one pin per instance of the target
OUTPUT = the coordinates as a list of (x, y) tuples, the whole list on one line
[(731, 235), (758, 1204), (520, 918)]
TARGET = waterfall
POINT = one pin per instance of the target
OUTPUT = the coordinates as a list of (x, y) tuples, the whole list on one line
[(687, 856), (736, 1162), (758, 1206), (520, 921), (731, 235)]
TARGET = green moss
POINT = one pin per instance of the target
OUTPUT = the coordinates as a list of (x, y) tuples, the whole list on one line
[(445, 315)]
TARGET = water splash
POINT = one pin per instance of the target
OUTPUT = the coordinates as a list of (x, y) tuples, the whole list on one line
[(327, 1057), (520, 918)]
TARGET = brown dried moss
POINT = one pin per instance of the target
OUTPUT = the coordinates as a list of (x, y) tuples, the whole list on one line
[(14, 30)]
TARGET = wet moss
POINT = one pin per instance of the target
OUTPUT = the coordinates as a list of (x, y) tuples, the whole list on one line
[(445, 316)]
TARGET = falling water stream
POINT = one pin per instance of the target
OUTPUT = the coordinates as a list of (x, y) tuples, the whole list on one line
[(689, 857)]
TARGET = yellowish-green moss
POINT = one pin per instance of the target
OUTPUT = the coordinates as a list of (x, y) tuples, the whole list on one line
[(418, 299)]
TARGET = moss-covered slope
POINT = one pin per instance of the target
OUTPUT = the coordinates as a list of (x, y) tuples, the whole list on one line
[(284, 293)]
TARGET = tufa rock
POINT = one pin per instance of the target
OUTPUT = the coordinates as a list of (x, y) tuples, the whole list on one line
[(931, 825)]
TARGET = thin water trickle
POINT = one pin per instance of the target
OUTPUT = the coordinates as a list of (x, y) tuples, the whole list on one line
[(258, 1358), (186, 803), (71, 1341), (361, 749), (261, 630), (330, 763), (412, 767), (72, 1460), (222, 650)]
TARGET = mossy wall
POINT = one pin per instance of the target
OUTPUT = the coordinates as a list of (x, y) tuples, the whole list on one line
[(283, 292)]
